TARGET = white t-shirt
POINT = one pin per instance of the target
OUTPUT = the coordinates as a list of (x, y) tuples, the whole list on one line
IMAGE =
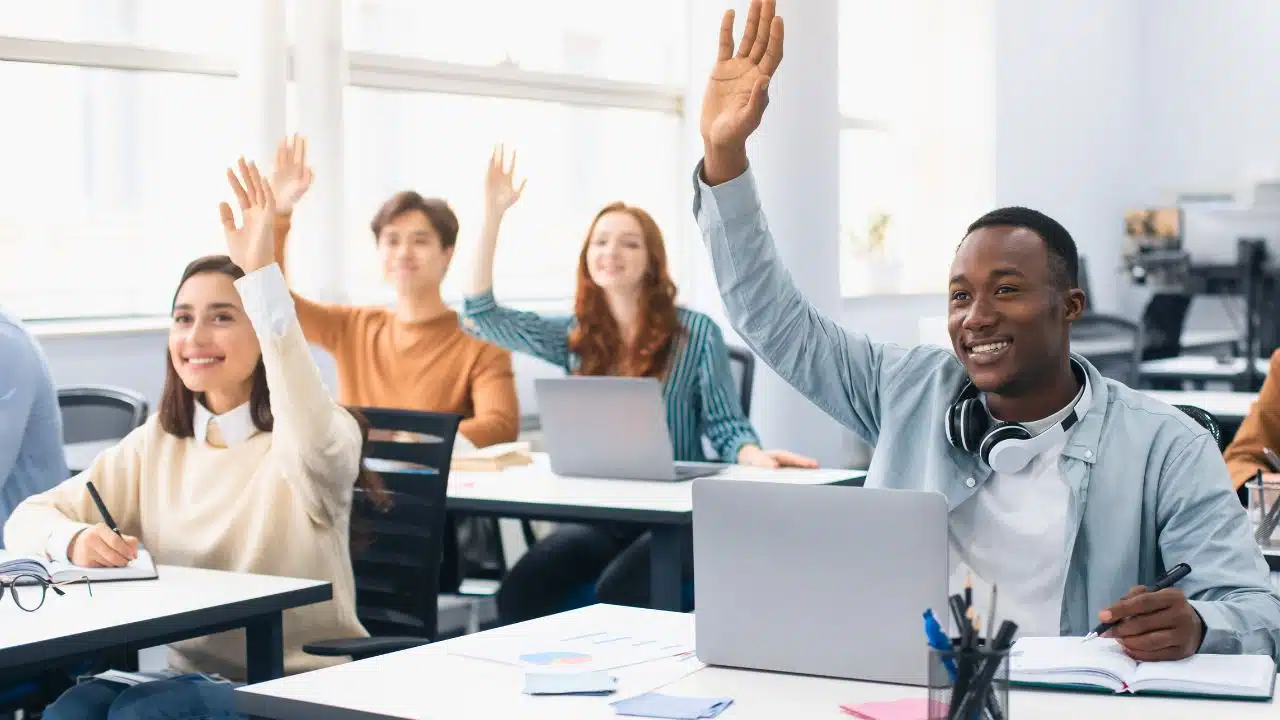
[(1012, 533)]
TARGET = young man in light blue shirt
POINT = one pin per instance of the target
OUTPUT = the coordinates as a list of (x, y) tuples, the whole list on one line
[(31, 454), (1068, 490)]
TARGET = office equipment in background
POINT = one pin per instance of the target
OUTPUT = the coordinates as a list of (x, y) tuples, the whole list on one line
[(610, 427), (828, 581), (1100, 665)]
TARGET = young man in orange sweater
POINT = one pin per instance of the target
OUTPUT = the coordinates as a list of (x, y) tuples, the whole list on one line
[(1260, 429), (414, 355)]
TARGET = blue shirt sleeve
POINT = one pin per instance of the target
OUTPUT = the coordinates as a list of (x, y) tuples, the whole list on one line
[(525, 332), (31, 454)]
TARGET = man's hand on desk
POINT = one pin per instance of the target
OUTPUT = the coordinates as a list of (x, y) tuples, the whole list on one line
[(99, 546), (755, 457), (1159, 625)]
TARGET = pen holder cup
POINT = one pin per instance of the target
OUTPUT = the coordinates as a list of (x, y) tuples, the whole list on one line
[(968, 684), (1264, 496)]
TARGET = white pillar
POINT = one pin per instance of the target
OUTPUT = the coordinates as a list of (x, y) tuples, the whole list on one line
[(795, 157), (264, 80), (320, 76)]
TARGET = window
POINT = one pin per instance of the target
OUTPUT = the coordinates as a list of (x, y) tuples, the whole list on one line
[(576, 160), (110, 187), (199, 27), (644, 42)]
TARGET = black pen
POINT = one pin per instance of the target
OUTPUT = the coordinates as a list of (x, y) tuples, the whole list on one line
[(1176, 573), (102, 508)]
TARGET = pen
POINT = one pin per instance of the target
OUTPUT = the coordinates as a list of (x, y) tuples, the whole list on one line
[(980, 689), (991, 616), (102, 508), (1176, 573), (939, 641)]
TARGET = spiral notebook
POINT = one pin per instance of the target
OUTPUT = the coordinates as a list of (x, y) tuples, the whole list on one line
[(142, 568), (1100, 665)]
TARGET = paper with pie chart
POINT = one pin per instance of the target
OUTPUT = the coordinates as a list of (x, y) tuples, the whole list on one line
[(580, 652)]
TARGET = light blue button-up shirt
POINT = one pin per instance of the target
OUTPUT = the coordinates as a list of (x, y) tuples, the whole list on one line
[(31, 455), (1148, 486)]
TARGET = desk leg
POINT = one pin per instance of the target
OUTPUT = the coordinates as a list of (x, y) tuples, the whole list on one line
[(665, 560), (265, 647)]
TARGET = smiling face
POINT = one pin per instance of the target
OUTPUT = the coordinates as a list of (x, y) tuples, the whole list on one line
[(616, 256), (1008, 319), (211, 342), (413, 257)]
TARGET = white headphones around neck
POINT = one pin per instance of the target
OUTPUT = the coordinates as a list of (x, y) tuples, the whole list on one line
[(1004, 446)]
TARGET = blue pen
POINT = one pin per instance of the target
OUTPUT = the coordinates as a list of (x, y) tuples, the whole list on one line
[(939, 641)]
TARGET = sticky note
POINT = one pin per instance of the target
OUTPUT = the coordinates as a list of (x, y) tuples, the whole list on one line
[(909, 709), (590, 683), (655, 705)]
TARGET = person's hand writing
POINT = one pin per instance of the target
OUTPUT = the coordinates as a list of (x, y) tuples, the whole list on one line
[(252, 245), (99, 546), (737, 91), (500, 190), (291, 177), (756, 457), (1159, 625)]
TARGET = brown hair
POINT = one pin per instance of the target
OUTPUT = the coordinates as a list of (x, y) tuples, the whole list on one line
[(437, 210), (596, 338), (178, 403)]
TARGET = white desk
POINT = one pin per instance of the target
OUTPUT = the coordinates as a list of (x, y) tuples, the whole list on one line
[(1227, 407), (183, 603), (533, 492), (429, 683), (1201, 368)]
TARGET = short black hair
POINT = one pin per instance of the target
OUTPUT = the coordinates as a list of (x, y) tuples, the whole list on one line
[(1064, 259)]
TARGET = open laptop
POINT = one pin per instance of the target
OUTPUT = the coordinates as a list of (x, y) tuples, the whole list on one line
[(818, 579), (610, 427)]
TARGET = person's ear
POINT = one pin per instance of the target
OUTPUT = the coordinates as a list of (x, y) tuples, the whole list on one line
[(1074, 300)]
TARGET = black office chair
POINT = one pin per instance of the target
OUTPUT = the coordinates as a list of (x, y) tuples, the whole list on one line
[(396, 548), (1124, 365), (744, 372), (99, 412)]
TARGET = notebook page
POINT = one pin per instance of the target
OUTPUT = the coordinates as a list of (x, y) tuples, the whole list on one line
[(1071, 660), (141, 568), (1249, 675)]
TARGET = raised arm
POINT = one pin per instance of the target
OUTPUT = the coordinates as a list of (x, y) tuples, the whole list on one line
[(315, 439), (500, 193), (1260, 429), (842, 372), (324, 324)]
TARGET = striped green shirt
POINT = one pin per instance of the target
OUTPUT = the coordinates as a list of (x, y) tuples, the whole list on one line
[(699, 391)]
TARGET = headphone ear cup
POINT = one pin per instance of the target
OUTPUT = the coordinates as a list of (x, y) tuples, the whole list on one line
[(998, 434), (969, 422)]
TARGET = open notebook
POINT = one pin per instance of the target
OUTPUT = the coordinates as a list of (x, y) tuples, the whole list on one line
[(143, 568), (1099, 665)]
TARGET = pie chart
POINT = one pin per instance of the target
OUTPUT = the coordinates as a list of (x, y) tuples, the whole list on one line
[(555, 658)]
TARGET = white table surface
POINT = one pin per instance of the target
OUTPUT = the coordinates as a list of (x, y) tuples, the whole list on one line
[(537, 484), (1224, 405), (1197, 339), (177, 591), (1201, 366), (429, 683)]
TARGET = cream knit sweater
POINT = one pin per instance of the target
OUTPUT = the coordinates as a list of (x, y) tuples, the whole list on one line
[(278, 503)]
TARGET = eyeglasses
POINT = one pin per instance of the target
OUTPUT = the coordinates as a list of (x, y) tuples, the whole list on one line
[(28, 599)]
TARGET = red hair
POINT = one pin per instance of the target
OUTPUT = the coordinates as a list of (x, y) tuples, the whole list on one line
[(597, 340)]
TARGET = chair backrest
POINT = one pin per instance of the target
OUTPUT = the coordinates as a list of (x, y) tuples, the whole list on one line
[(1124, 365), (1162, 322), (396, 550), (1206, 420), (744, 371), (99, 412)]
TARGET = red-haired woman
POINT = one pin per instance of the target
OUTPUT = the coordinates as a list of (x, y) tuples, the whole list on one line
[(625, 323)]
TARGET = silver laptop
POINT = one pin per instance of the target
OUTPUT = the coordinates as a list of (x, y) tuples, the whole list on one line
[(610, 427), (818, 579)]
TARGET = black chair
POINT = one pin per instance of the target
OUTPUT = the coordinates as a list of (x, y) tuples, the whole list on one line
[(1123, 360), (1210, 423), (99, 412), (396, 549), (744, 363)]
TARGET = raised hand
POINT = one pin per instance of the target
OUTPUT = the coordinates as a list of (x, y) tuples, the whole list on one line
[(500, 191), (291, 178), (251, 245), (737, 91)]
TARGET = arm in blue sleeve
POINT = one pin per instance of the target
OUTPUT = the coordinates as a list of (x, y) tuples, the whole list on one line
[(525, 332)]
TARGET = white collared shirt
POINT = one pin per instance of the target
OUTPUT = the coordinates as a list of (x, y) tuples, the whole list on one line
[(236, 425)]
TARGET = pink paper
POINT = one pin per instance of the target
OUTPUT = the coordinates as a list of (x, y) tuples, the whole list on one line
[(910, 709)]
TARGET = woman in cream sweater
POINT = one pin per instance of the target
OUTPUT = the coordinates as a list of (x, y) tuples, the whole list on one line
[(248, 467)]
